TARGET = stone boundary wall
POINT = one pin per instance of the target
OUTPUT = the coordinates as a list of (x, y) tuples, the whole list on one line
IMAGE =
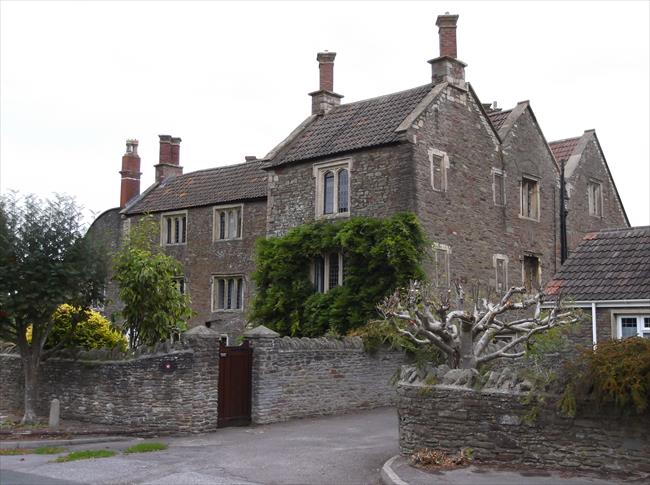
[(136, 392), (298, 377), (495, 426)]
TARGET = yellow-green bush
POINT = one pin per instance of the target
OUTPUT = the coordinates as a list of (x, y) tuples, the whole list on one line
[(93, 331)]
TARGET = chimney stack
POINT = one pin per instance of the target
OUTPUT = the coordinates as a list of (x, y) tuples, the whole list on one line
[(130, 184), (447, 68), (169, 160), (325, 98)]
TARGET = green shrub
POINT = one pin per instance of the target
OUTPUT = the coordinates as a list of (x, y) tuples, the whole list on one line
[(93, 331), (616, 373), (379, 255)]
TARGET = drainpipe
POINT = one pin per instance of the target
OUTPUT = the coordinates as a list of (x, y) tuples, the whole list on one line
[(593, 323), (564, 250)]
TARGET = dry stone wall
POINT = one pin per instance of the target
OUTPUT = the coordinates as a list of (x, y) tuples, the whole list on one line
[(498, 426), (297, 377)]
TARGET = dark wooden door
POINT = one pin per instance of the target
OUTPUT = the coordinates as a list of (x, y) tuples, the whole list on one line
[(235, 379)]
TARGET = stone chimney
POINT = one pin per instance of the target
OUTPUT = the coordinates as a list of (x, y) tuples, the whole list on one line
[(447, 68), (130, 184), (169, 158), (325, 98)]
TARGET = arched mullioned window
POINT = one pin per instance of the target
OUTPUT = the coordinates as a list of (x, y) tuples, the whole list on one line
[(343, 191), (328, 193)]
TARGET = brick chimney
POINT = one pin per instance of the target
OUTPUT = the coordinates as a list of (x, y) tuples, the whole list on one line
[(447, 68), (130, 184), (169, 158), (325, 98)]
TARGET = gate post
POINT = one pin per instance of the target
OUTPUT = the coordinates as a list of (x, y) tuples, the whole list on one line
[(262, 340)]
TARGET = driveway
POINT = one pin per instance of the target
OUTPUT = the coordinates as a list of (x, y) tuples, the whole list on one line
[(348, 449)]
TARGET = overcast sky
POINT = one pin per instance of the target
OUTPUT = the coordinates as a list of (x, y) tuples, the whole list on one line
[(231, 79)]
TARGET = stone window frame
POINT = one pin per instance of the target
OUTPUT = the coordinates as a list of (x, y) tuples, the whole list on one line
[(319, 170), (214, 308), (447, 249), (537, 181), (495, 258), (595, 210), (216, 226), (502, 173), (442, 158), (181, 284), (326, 272), (163, 227), (640, 315), (539, 269)]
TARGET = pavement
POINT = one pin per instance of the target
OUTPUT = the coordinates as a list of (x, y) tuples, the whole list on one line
[(350, 449)]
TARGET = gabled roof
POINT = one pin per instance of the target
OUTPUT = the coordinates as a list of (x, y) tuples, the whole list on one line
[(204, 187), (613, 264), (498, 118), (352, 126), (563, 149)]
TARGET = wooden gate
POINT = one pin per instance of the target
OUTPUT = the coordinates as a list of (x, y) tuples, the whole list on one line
[(235, 379)]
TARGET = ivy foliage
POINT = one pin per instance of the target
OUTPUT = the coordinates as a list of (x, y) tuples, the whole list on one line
[(92, 330), (154, 310), (379, 255)]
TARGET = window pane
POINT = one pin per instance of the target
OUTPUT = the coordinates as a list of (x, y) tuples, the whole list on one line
[(501, 276), (436, 173), (442, 266), (646, 323), (319, 274), (334, 271), (240, 292), (231, 292), (169, 230), (239, 215), (343, 191), (222, 225), (184, 229), (232, 230), (221, 294), (628, 327), (531, 272), (498, 189), (176, 229), (328, 193)]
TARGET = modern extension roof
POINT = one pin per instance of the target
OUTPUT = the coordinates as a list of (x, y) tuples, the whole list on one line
[(352, 126), (563, 149), (613, 264), (204, 187)]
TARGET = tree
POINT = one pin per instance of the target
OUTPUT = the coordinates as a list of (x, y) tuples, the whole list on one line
[(154, 309), (93, 330), (465, 336), (45, 261)]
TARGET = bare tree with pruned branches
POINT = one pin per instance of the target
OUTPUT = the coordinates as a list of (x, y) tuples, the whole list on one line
[(464, 335)]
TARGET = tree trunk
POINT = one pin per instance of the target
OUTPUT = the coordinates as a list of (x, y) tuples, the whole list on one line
[(467, 357), (30, 371)]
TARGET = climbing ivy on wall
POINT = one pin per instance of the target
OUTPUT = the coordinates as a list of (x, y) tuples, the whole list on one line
[(379, 255)]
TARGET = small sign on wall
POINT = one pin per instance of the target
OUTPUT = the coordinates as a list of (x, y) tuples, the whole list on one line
[(168, 366)]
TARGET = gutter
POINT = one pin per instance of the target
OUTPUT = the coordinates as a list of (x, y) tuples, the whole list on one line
[(607, 303)]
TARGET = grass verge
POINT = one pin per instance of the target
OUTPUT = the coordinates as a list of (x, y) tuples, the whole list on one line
[(85, 455), (43, 450), (146, 447)]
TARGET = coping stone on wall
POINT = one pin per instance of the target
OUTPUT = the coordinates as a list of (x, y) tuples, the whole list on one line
[(261, 332)]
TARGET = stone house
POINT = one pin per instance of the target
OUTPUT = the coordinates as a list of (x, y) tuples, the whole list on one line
[(483, 182), (608, 276)]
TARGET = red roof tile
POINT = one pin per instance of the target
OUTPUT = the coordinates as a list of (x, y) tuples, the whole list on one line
[(498, 118), (563, 149)]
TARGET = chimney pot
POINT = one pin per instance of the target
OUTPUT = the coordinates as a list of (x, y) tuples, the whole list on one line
[(250, 158), (169, 159)]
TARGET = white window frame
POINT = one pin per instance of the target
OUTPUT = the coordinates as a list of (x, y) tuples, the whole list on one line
[(214, 288), (530, 178), (163, 227), (326, 271), (592, 197), (506, 260), (640, 324), (442, 247), (442, 158), (216, 226), (539, 270), (319, 171), (502, 173)]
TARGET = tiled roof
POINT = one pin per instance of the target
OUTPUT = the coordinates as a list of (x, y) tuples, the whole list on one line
[(612, 264), (352, 126), (205, 187), (563, 149), (498, 118)]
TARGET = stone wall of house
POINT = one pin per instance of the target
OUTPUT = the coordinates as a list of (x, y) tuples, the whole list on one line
[(136, 391), (498, 426), (298, 377), (579, 222), (381, 184)]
